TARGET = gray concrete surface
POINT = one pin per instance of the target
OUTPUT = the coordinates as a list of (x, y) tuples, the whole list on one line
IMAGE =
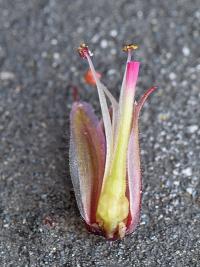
[(39, 221)]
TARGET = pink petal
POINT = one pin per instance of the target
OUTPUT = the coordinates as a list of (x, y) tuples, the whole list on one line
[(87, 158), (132, 75)]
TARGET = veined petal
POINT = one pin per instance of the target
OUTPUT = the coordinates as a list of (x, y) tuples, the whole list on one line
[(87, 158)]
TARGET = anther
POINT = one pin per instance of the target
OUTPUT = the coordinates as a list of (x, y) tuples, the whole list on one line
[(129, 47), (83, 50)]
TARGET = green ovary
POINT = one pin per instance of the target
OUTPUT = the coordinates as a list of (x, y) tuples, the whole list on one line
[(113, 205), (112, 210)]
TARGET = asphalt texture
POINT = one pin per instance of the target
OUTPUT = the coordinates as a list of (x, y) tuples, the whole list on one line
[(39, 221)]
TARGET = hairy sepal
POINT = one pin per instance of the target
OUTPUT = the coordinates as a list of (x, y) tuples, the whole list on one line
[(134, 167)]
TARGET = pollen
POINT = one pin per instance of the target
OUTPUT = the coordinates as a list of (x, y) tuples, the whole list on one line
[(83, 50), (129, 47)]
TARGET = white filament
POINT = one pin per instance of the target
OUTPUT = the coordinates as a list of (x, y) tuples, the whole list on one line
[(105, 116), (115, 108)]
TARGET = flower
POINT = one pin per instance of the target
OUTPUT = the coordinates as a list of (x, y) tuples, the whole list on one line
[(104, 155)]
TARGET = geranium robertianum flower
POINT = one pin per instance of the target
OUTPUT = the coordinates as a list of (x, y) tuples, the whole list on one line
[(104, 155)]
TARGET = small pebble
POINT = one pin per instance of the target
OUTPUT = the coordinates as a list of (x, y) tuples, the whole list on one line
[(140, 14), (113, 33), (113, 51), (189, 190), (5, 75), (172, 76), (192, 128), (104, 43), (44, 54), (56, 56), (95, 38), (54, 41), (187, 171), (186, 51), (163, 116)]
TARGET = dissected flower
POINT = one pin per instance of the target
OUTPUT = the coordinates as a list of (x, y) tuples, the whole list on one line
[(104, 155)]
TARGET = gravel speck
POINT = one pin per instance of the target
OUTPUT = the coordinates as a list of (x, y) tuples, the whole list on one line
[(187, 171), (104, 44), (186, 51), (54, 41), (190, 190), (5, 75), (172, 76), (113, 33), (193, 128)]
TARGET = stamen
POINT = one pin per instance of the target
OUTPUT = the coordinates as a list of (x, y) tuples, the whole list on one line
[(129, 48), (83, 51)]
